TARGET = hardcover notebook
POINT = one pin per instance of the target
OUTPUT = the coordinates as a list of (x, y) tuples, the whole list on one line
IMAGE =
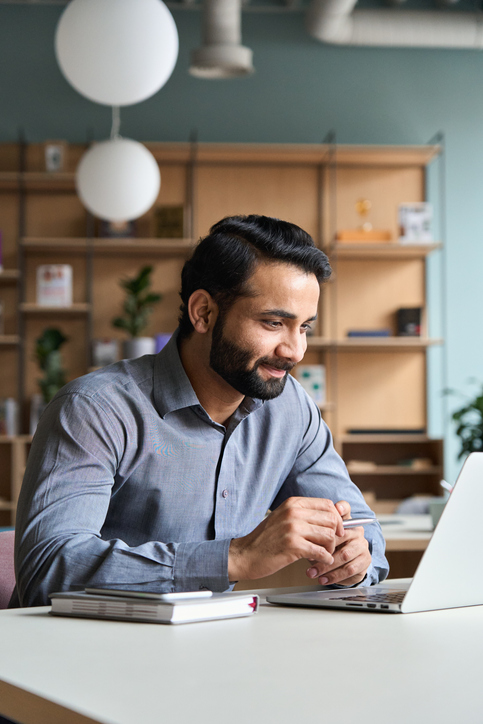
[(143, 607), (448, 573)]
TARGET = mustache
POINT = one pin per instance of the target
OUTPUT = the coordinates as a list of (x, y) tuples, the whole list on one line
[(276, 364)]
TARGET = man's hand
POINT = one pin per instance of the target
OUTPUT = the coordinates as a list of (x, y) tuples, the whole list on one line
[(300, 528), (351, 556)]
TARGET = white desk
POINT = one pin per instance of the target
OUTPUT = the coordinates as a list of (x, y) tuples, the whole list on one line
[(406, 532), (283, 666)]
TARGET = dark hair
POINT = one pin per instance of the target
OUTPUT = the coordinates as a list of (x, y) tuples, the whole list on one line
[(223, 261)]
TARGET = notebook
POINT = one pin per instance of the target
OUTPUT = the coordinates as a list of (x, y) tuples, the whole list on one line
[(448, 573), (139, 606)]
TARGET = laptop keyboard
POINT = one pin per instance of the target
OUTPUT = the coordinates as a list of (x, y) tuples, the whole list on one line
[(389, 597)]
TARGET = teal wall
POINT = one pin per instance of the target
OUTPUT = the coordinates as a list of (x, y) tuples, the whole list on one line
[(301, 90)]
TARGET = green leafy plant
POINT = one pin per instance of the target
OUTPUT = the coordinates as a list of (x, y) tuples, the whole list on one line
[(47, 354), (138, 304), (469, 423)]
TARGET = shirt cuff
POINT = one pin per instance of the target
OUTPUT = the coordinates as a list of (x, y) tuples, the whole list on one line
[(201, 565)]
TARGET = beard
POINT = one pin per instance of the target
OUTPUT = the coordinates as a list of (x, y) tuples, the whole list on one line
[(232, 363)]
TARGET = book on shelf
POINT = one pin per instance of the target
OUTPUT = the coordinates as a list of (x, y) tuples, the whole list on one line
[(369, 333), (174, 608), (386, 431)]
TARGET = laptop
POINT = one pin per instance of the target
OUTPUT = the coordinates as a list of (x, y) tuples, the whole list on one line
[(449, 573)]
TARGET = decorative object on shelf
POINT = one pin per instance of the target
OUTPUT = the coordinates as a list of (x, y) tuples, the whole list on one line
[(116, 52), (137, 307), (8, 416), (55, 153), (117, 229), (160, 341), (104, 352), (409, 321), (54, 285), (469, 422), (47, 354), (169, 222), (369, 333), (415, 223), (365, 232), (37, 406), (118, 179), (312, 378)]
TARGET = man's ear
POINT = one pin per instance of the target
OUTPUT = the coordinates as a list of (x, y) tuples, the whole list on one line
[(203, 311)]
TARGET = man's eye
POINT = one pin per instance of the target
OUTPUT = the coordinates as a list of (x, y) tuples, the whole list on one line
[(272, 323), (306, 327)]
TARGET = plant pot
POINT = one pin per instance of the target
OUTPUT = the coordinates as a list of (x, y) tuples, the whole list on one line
[(137, 346)]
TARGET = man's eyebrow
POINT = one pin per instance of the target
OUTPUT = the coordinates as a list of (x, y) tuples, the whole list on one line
[(284, 314)]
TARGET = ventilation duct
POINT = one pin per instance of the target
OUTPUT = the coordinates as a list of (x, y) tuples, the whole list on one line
[(333, 21), (221, 55)]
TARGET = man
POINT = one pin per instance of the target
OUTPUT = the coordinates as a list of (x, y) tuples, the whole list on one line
[(157, 473)]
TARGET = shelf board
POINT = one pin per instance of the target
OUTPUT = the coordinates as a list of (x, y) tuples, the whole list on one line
[(37, 181), (389, 438), (7, 505), (74, 309), (9, 276), (396, 470), (109, 246), (310, 154), (390, 250), (9, 340), (358, 344)]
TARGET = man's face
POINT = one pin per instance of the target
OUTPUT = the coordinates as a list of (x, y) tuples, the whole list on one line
[(261, 337)]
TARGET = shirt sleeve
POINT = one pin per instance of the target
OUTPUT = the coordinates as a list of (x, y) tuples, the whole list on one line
[(319, 472), (65, 496)]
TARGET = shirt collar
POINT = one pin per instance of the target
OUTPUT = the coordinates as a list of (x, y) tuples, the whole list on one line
[(172, 388)]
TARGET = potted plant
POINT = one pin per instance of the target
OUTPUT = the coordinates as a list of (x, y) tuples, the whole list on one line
[(137, 307), (469, 423), (48, 356)]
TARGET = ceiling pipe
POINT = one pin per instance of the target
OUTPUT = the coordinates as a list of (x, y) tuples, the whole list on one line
[(222, 55), (333, 21)]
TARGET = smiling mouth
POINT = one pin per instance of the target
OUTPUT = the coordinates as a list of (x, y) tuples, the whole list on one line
[(274, 371)]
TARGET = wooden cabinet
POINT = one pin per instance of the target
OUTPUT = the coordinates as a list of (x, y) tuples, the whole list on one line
[(372, 383)]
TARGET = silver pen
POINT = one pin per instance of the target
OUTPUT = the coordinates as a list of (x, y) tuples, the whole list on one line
[(353, 522)]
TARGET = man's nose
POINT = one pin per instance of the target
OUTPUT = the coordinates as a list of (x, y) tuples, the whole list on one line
[(293, 347)]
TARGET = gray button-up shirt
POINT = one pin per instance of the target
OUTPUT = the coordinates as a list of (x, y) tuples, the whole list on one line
[(130, 482)]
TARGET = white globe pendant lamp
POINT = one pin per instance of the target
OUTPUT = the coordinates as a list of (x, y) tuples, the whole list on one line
[(118, 180), (116, 52)]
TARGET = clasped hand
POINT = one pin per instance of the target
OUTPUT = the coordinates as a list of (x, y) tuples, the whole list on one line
[(303, 528)]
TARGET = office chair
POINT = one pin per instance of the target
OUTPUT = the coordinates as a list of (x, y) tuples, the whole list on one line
[(7, 573)]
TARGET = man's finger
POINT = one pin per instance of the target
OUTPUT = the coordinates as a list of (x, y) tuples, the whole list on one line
[(344, 509)]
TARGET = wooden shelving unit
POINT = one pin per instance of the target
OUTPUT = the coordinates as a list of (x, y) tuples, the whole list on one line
[(374, 383), (36, 309)]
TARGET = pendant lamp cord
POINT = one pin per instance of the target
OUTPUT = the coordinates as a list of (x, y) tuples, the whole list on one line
[(116, 122)]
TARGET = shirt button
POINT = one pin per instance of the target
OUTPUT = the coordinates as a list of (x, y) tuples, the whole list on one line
[(225, 493)]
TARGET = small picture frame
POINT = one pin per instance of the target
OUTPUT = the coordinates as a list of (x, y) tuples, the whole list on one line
[(415, 223), (169, 222), (55, 153)]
